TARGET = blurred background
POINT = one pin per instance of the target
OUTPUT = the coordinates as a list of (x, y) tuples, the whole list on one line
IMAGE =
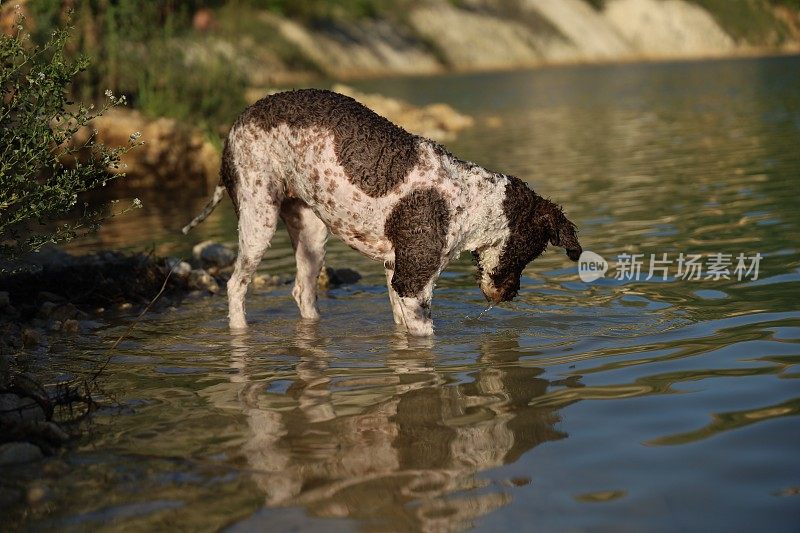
[(188, 68), (167, 55)]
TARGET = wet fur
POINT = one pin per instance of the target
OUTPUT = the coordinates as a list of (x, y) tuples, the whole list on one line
[(417, 227), (533, 222), (324, 163), (376, 154)]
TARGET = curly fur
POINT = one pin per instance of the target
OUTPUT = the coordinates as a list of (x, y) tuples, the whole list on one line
[(376, 154), (326, 164), (417, 227), (533, 222)]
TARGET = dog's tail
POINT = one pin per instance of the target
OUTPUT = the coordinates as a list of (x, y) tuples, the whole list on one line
[(217, 198)]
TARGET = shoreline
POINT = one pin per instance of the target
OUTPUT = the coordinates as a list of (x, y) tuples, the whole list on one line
[(62, 296), (292, 81)]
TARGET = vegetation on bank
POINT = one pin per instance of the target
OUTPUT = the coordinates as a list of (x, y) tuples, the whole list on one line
[(193, 60), (41, 171)]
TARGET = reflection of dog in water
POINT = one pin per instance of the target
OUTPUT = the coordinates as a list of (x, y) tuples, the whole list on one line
[(401, 444), (323, 162)]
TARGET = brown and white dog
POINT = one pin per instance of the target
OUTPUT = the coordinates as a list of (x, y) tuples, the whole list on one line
[(323, 162)]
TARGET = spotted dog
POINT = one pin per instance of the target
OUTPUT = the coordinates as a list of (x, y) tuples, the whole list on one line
[(324, 163)]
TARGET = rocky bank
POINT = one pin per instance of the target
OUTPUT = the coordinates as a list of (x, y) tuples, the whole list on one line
[(434, 36), (52, 295)]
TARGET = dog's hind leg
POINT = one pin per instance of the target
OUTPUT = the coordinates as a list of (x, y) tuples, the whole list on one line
[(309, 235), (258, 218)]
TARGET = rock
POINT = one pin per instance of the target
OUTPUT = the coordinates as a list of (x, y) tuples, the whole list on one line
[(59, 311), (71, 326), (368, 46), (31, 337), (210, 253), (200, 279), (46, 309), (173, 154), (180, 269), (437, 121), (333, 277), (342, 276), (261, 281), (54, 325), (16, 409), (36, 494), (19, 452), (49, 431), (668, 29), (64, 312)]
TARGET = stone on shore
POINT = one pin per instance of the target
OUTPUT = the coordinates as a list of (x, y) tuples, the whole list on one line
[(16, 409), (180, 269), (202, 280), (213, 254), (173, 154), (19, 452), (437, 121)]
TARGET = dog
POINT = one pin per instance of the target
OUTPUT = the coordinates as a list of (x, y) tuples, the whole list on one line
[(322, 162)]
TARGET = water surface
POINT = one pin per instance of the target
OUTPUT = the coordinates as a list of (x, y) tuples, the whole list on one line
[(617, 405)]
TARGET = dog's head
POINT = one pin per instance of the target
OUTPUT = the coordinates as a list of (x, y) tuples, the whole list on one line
[(531, 223)]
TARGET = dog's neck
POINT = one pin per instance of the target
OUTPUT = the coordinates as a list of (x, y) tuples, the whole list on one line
[(483, 219)]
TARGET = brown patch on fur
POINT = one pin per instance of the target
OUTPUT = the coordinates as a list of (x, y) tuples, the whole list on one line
[(376, 154), (417, 227), (533, 221)]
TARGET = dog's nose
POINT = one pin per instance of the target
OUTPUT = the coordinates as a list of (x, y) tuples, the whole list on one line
[(574, 253), (491, 294)]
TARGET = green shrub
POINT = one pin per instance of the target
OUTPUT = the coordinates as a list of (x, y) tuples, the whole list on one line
[(41, 171), (148, 52)]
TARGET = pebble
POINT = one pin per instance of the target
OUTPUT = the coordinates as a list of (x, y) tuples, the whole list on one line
[(15, 409), (46, 309), (19, 452), (36, 494), (31, 337), (210, 253), (71, 326), (342, 276), (200, 279), (265, 280), (180, 269)]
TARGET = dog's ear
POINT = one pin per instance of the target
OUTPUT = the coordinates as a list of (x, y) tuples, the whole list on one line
[(563, 233)]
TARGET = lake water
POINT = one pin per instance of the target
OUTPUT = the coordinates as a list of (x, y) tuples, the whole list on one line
[(621, 404)]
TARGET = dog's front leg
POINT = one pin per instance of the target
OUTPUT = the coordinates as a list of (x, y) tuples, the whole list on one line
[(394, 299), (416, 312)]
